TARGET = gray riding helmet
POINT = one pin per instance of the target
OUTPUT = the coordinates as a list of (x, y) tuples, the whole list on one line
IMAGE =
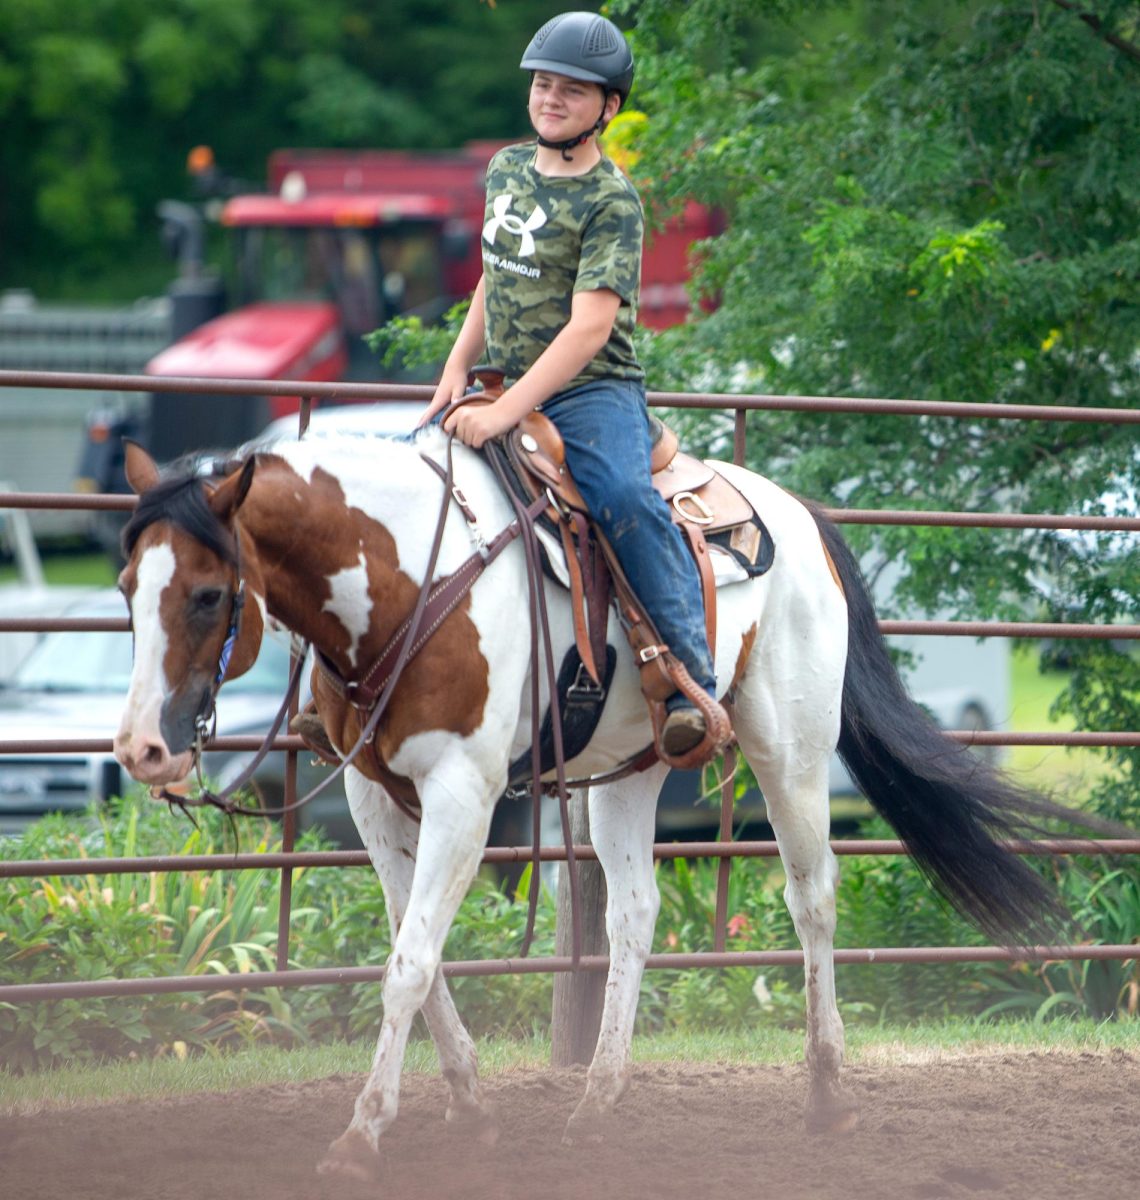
[(582, 45)]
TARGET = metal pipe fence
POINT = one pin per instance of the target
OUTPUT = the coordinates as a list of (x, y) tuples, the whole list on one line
[(287, 860)]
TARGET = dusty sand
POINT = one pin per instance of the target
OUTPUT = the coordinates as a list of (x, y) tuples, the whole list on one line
[(1003, 1124)]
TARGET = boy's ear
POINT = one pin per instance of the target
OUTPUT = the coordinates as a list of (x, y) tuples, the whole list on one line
[(613, 104)]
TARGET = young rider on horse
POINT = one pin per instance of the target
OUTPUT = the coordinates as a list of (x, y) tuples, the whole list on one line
[(555, 310)]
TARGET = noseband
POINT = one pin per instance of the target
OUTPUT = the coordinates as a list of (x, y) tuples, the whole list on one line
[(206, 716)]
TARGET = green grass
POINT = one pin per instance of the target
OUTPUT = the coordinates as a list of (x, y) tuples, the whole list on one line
[(269, 1065), (887, 1044)]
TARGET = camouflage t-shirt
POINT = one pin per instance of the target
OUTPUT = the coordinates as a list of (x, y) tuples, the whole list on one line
[(547, 237)]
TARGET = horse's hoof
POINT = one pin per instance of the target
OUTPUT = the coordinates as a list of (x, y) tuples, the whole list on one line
[(476, 1122), (351, 1157), (589, 1122), (584, 1129), (834, 1116)]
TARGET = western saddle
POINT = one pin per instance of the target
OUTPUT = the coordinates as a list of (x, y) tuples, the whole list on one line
[(702, 503)]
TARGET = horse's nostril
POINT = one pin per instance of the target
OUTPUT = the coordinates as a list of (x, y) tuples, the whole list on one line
[(153, 754)]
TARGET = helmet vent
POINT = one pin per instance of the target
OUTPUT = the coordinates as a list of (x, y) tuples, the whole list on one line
[(600, 38), (544, 32)]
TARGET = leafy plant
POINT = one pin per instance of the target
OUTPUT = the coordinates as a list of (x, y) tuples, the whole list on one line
[(406, 343), (1106, 906), (99, 926)]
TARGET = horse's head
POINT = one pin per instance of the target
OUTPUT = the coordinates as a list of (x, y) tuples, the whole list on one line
[(195, 611)]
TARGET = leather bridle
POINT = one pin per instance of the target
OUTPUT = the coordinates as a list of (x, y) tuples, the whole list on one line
[(412, 634), (205, 719), (224, 800)]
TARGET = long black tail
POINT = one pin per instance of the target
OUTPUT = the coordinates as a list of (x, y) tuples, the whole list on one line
[(950, 809)]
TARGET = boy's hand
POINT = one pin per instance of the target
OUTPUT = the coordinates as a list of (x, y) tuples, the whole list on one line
[(474, 424), (452, 386)]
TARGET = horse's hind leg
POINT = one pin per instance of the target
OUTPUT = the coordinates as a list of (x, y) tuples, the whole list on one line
[(621, 829), (392, 838), (787, 745), (798, 809)]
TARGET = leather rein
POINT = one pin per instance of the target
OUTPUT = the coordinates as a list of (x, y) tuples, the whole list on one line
[(399, 650), (374, 690)]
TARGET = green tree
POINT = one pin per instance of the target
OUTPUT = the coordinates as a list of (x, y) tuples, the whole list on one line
[(939, 205), (101, 101)]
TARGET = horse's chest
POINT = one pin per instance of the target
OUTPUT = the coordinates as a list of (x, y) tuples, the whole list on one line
[(444, 688)]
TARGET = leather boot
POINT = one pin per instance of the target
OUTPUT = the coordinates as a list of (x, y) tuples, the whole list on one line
[(683, 730)]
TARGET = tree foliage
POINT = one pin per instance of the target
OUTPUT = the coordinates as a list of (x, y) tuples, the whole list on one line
[(934, 202), (102, 100), (925, 200)]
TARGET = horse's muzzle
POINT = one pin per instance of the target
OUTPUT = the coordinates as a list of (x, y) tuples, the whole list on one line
[(148, 759)]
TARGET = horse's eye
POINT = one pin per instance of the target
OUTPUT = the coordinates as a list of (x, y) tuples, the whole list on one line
[(208, 599)]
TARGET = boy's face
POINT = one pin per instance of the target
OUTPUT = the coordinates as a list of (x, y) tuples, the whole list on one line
[(562, 108)]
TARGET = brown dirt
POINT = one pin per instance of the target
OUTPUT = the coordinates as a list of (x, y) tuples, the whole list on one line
[(1004, 1125)]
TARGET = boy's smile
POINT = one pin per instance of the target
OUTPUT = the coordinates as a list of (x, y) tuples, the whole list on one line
[(561, 107)]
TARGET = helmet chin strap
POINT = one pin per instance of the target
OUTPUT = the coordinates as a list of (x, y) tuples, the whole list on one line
[(570, 143)]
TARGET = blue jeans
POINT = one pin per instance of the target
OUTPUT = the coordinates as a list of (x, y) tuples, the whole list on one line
[(605, 428)]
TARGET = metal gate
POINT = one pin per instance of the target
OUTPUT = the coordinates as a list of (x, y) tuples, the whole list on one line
[(725, 849)]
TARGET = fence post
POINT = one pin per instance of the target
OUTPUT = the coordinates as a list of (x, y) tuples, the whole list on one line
[(578, 995)]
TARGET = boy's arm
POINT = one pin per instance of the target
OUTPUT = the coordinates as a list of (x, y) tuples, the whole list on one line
[(592, 316), (465, 353)]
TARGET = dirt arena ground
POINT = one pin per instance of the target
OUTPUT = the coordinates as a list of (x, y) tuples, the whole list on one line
[(1002, 1125)]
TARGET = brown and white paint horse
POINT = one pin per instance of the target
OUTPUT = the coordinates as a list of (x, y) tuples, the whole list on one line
[(333, 540)]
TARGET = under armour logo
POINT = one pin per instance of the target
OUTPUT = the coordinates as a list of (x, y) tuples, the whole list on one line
[(507, 220)]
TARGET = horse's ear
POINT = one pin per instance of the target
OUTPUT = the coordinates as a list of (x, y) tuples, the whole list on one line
[(227, 497), (142, 470)]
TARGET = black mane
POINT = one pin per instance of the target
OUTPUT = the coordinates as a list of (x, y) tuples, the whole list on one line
[(180, 498)]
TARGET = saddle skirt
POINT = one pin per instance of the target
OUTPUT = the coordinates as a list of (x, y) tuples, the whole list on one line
[(726, 566)]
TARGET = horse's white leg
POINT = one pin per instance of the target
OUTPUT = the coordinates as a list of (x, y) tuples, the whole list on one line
[(391, 838), (452, 835), (791, 766), (621, 829), (798, 810)]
